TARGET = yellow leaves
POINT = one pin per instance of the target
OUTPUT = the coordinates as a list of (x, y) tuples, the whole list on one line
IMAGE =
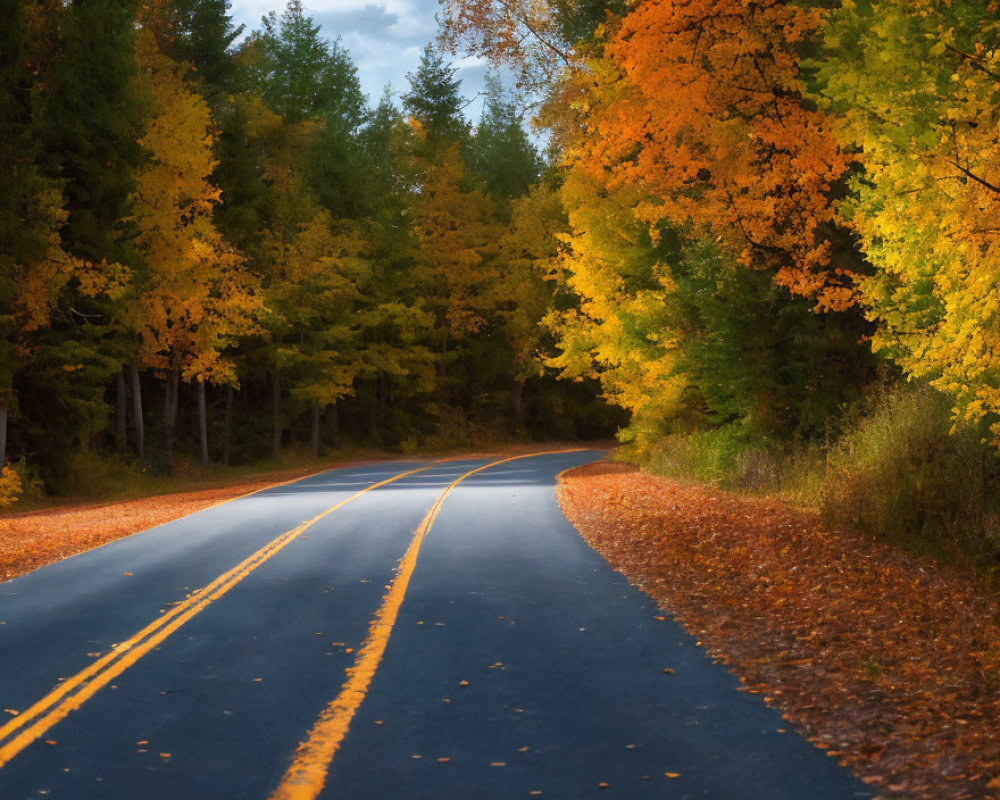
[(37, 284), (457, 238), (616, 333), (196, 295), (10, 490), (922, 213)]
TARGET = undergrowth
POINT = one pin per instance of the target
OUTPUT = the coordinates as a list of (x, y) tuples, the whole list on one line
[(896, 471)]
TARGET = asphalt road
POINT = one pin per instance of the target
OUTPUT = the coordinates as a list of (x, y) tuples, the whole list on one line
[(239, 653)]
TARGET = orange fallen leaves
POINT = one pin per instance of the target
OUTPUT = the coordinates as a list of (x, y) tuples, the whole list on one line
[(889, 663), (31, 539)]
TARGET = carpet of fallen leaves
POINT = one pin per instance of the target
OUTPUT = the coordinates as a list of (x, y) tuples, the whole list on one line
[(31, 539), (890, 664)]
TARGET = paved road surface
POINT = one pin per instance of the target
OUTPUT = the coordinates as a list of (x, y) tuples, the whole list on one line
[(208, 658)]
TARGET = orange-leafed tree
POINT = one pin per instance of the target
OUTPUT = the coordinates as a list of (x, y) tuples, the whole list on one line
[(700, 105)]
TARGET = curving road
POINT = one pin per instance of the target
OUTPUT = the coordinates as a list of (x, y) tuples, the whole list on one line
[(398, 630)]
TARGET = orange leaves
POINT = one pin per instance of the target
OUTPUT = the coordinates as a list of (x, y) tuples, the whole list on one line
[(887, 663), (31, 539), (699, 106)]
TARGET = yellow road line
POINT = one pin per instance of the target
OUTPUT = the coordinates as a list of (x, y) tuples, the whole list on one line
[(75, 691), (306, 776)]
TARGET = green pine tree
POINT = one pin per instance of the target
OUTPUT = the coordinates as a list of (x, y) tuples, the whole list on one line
[(435, 100)]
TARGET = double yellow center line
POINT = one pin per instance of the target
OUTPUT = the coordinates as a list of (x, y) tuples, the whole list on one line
[(305, 778), (72, 693)]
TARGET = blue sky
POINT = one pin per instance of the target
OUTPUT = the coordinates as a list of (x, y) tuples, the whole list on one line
[(385, 38)]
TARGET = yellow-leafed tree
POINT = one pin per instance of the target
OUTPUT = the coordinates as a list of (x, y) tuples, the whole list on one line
[(192, 296)]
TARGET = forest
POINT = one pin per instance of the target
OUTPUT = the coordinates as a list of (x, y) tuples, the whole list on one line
[(756, 239)]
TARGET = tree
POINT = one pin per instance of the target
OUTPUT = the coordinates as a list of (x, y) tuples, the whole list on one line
[(615, 323), (191, 298), (83, 114), (88, 117), (313, 314), (199, 33), (700, 106), (34, 268), (525, 34), (298, 73), (522, 294), (456, 234), (500, 154), (916, 86), (435, 101)]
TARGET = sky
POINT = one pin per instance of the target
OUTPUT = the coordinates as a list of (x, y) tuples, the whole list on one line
[(384, 37)]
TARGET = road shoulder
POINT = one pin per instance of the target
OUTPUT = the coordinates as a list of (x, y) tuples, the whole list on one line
[(888, 663)]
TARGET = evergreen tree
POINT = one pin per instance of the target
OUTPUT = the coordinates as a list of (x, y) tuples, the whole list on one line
[(22, 239), (299, 74), (500, 154), (90, 116), (199, 33), (435, 101)]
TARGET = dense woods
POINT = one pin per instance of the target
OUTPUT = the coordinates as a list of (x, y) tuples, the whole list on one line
[(758, 239), (215, 247)]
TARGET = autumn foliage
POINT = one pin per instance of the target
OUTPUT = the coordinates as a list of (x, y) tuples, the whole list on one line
[(700, 105)]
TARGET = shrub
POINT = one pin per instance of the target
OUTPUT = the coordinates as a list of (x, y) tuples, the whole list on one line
[(10, 487), (731, 457), (900, 475)]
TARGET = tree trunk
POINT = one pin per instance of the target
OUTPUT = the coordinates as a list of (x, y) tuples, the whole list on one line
[(333, 420), (3, 433), (203, 423), (276, 387), (140, 432), (121, 440), (170, 415), (314, 441), (227, 431), (517, 403)]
